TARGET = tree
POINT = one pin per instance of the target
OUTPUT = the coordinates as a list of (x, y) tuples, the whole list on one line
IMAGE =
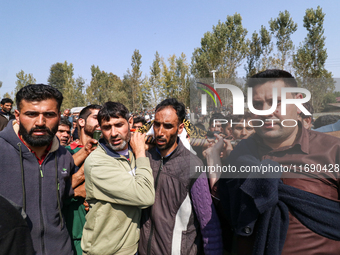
[(105, 87), (155, 78), (283, 27), (137, 89), (73, 93), (309, 60), (60, 73), (260, 47), (7, 95), (223, 49), (23, 80)]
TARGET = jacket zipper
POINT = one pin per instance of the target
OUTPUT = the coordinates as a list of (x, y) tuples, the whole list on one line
[(40, 209), (152, 227)]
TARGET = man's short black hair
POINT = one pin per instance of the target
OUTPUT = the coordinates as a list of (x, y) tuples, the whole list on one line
[(86, 111), (215, 116), (139, 119), (64, 121), (38, 92), (112, 110), (177, 106), (271, 75), (6, 100)]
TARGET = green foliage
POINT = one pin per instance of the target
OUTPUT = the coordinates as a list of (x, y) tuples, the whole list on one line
[(223, 49), (260, 47), (23, 80), (309, 60), (136, 88), (175, 79), (155, 79), (283, 27), (104, 87), (7, 95), (60, 73)]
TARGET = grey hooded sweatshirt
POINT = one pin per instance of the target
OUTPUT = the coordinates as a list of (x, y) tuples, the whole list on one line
[(39, 189)]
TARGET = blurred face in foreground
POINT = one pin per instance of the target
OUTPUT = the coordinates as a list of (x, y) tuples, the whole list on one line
[(274, 134)]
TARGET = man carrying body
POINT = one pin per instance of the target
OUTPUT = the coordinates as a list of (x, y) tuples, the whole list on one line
[(5, 113), (283, 141), (64, 131), (35, 170), (118, 185), (74, 207), (183, 212)]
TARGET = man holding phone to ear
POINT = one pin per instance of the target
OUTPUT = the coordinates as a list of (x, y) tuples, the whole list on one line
[(75, 208)]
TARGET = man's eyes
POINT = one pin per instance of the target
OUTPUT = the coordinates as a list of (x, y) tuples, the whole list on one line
[(46, 114)]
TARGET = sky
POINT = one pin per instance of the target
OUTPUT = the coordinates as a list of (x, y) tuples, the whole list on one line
[(39, 33)]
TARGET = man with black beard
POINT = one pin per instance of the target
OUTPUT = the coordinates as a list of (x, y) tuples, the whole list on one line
[(119, 184), (35, 171), (183, 213), (74, 207)]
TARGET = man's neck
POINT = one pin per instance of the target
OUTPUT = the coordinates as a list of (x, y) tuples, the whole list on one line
[(166, 152), (83, 138)]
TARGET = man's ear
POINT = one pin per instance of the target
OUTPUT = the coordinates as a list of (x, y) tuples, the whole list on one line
[(81, 123), (298, 96), (180, 128), (130, 121), (17, 114)]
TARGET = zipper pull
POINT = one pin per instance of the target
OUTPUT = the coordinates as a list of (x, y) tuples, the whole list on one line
[(161, 166), (41, 173)]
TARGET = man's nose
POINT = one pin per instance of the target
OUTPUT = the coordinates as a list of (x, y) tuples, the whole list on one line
[(40, 120), (243, 132), (114, 132)]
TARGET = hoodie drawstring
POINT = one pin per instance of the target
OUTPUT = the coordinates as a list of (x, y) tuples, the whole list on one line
[(58, 195), (22, 179)]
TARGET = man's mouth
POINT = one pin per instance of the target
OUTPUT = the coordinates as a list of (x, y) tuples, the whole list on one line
[(39, 132), (116, 141), (160, 141)]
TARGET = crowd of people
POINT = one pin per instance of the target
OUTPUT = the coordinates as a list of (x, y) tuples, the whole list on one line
[(64, 189)]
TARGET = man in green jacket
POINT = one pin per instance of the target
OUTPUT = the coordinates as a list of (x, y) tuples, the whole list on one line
[(119, 183)]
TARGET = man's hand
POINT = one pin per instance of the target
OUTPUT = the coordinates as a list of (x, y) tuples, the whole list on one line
[(137, 144), (80, 191), (78, 177), (86, 204), (83, 153)]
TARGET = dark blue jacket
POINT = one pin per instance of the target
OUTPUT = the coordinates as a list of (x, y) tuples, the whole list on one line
[(40, 190)]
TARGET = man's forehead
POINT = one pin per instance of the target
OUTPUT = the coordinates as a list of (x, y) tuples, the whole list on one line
[(114, 120), (166, 113), (62, 126), (47, 104)]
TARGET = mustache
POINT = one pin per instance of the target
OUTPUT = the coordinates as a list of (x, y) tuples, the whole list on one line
[(43, 128)]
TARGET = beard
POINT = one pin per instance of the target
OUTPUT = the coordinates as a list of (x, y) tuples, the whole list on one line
[(122, 145), (172, 140), (89, 130), (38, 141)]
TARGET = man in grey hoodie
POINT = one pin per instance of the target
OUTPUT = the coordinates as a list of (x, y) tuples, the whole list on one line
[(35, 170)]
